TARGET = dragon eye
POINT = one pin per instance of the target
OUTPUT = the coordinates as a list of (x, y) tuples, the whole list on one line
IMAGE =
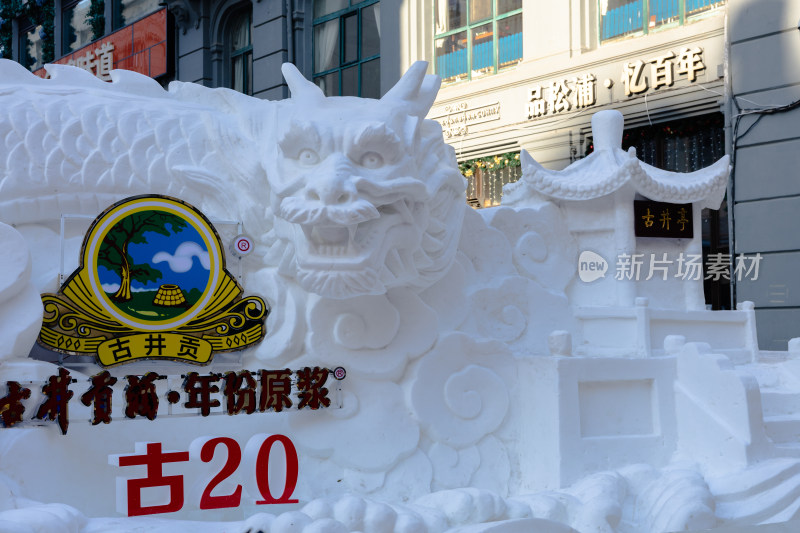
[(371, 160), (307, 156)]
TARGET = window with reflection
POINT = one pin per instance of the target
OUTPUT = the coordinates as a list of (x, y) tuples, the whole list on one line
[(31, 47), (76, 29), (619, 18), (240, 50), (347, 47), (476, 38), (126, 12)]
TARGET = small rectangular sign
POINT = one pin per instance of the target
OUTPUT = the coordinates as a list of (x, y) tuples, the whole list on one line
[(661, 219)]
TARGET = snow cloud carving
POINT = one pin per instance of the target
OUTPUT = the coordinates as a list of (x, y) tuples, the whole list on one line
[(181, 261)]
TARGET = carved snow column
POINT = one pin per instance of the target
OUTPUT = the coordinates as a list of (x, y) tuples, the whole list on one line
[(607, 131), (694, 294)]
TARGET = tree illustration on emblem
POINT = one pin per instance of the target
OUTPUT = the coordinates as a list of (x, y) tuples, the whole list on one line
[(113, 251)]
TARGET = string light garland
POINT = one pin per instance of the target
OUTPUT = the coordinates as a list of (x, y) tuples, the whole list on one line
[(491, 163)]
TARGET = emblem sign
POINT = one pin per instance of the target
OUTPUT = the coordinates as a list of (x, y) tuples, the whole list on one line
[(151, 284)]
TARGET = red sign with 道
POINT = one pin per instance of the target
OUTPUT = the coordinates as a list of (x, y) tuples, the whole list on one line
[(140, 47)]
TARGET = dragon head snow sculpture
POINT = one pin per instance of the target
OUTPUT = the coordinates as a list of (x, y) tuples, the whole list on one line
[(365, 193)]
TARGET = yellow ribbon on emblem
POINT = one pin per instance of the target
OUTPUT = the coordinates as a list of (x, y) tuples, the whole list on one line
[(155, 345)]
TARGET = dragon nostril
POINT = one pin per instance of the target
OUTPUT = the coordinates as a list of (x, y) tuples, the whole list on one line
[(313, 196), (343, 198)]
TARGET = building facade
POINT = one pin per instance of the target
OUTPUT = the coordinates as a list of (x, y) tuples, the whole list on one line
[(764, 122), (694, 79)]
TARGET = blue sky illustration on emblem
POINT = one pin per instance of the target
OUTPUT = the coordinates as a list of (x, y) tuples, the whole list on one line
[(182, 258)]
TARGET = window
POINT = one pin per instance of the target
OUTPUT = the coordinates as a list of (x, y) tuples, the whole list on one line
[(476, 38), (241, 52), (347, 47), (31, 52), (126, 12), (76, 30), (625, 17)]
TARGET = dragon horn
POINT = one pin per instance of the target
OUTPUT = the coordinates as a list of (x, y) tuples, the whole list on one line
[(415, 89), (301, 88)]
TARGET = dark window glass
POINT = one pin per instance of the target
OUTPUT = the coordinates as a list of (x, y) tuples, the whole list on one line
[(241, 52), (504, 6), (350, 26), (370, 31), (479, 10), (329, 83), (30, 47), (326, 46), (350, 81), (326, 7), (347, 48), (371, 79), (450, 14), (76, 32)]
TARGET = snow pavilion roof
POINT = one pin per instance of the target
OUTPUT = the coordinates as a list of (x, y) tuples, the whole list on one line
[(609, 168)]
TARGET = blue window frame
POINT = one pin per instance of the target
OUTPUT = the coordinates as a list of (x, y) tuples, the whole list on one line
[(347, 47), (475, 38), (619, 18)]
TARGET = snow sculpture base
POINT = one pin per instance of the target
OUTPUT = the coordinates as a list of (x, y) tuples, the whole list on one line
[(490, 388)]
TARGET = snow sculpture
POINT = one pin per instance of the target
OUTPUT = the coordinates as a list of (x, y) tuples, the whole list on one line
[(488, 387), (353, 215), (20, 305)]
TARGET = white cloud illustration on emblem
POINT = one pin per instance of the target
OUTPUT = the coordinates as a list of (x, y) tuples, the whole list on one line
[(181, 260)]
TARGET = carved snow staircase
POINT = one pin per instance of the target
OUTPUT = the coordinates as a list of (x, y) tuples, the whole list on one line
[(779, 381), (768, 491)]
